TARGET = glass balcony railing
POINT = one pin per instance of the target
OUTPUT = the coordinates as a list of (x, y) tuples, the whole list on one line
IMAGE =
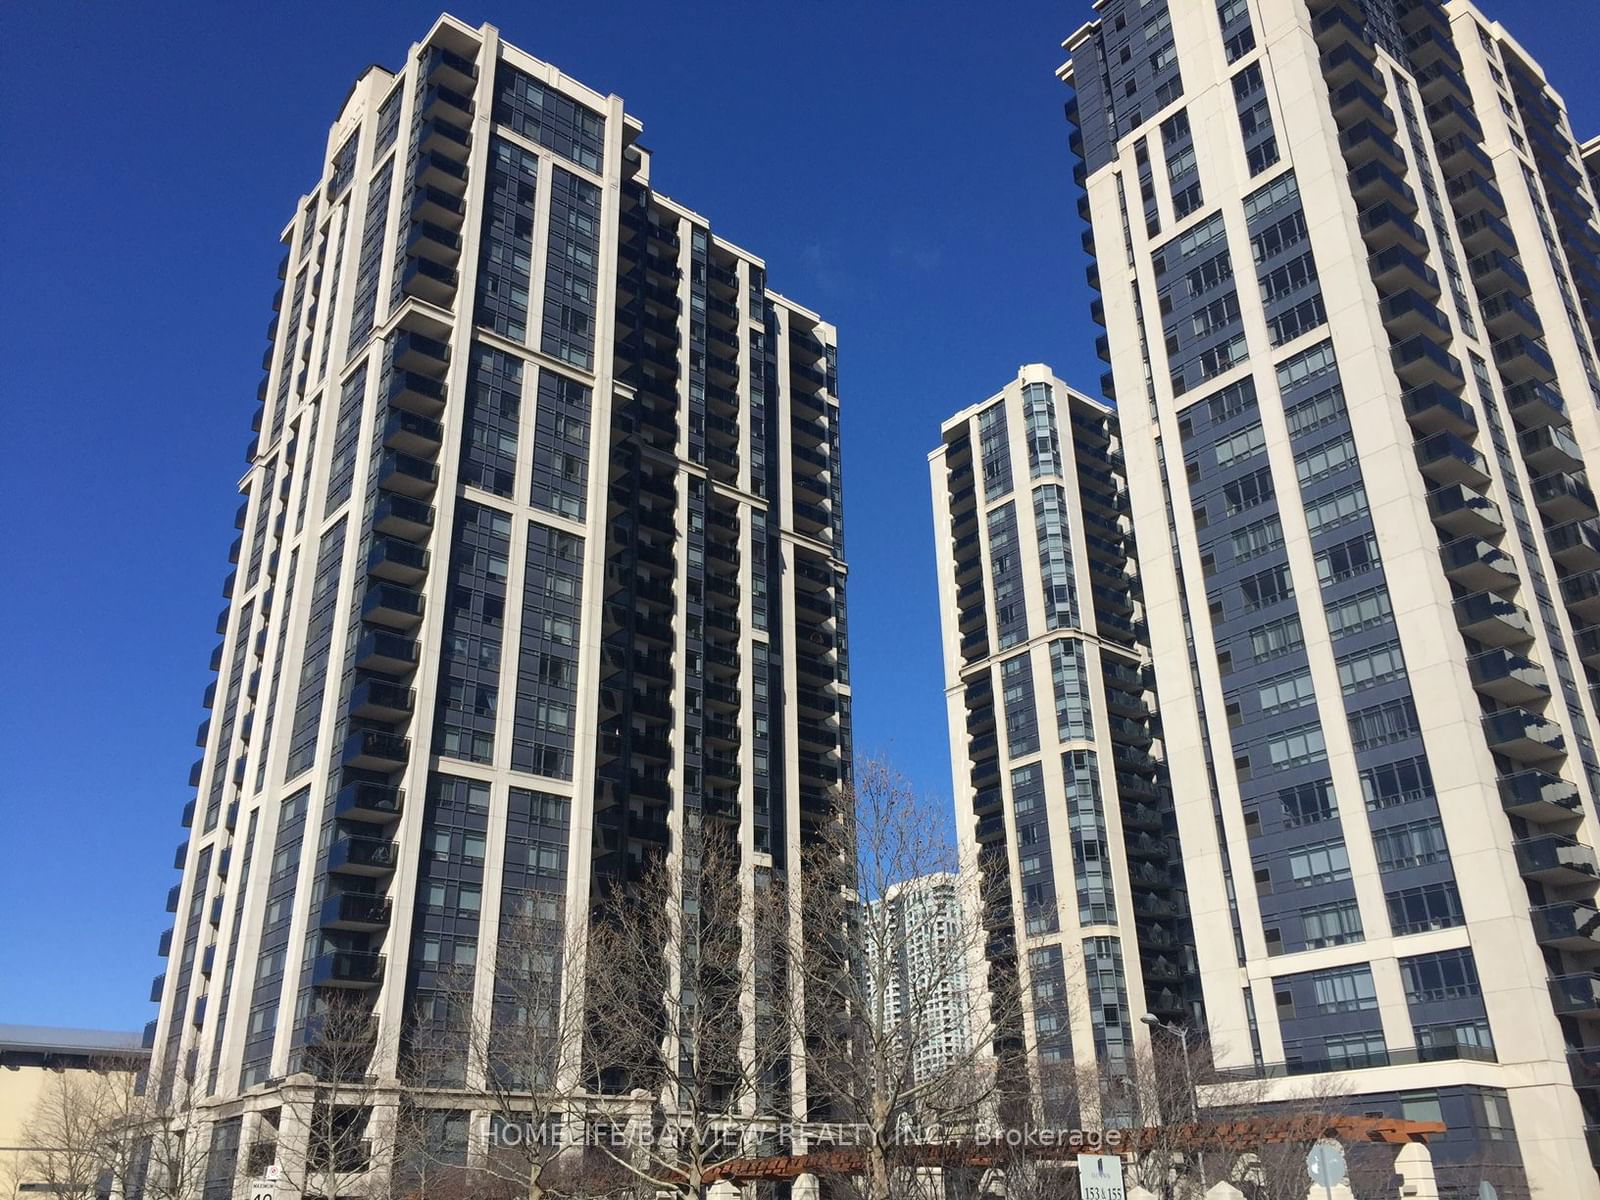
[(1556, 859), (355, 855), (348, 968), (1523, 735)]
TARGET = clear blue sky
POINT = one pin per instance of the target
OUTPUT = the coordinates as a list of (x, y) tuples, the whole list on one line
[(901, 167)]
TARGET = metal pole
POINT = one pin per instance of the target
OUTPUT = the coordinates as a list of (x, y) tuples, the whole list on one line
[(1194, 1099)]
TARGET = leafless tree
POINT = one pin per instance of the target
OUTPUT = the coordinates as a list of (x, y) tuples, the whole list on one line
[(159, 1153), (323, 1141), (98, 1129), (1176, 1104), (869, 1014), (517, 1060), (64, 1136), (675, 1032)]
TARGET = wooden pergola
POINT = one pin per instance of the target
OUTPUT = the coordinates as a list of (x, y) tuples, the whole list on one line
[(1226, 1135)]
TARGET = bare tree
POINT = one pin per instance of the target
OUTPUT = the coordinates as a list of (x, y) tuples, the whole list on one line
[(64, 1136), (100, 1130), (1198, 1125), (157, 1151), (870, 1014), (324, 1132), (517, 1060), (673, 1017)]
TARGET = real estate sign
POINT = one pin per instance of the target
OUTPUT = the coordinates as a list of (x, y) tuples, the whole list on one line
[(1100, 1177)]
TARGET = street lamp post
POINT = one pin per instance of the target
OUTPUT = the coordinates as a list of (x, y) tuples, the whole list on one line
[(1182, 1034)]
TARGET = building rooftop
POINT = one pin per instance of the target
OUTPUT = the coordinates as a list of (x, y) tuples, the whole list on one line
[(22, 1045)]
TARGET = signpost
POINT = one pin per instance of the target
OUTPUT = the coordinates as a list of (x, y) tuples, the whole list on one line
[(1100, 1177), (1325, 1164), (266, 1186)]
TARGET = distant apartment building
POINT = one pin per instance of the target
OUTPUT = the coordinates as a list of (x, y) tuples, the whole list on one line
[(917, 945), (1346, 253), (1062, 797), (539, 566)]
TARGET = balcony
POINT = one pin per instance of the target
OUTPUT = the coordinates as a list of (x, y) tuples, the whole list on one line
[(1485, 231), (1568, 925), (1577, 995), (1385, 225), (1460, 152), (1550, 448), (1370, 142), (407, 476), (1430, 45), (368, 800), (1555, 859), (811, 519), (1536, 404), (402, 517), (1419, 361), (1346, 63), (1564, 497), (381, 700), (1446, 458), (347, 969), (1147, 847), (352, 910), (417, 393), (1588, 641), (1375, 182), (1585, 1065), (374, 750), (1523, 736), (1507, 314), (1455, 126), (351, 854), (1442, 78), (415, 351), (386, 653), (439, 136), (1475, 564), (1522, 359), (438, 206), (1582, 595), (1493, 272), (1508, 677), (434, 243), (1539, 796), (1470, 192), (392, 605), (1408, 313), (442, 173), (1460, 511), (1356, 101), (397, 561), (721, 768), (445, 68), (1336, 28), (429, 281)]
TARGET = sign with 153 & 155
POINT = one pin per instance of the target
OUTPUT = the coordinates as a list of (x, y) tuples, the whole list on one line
[(1100, 1177)]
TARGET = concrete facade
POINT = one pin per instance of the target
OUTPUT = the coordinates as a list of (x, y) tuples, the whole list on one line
[(923, 965), (1061, 794), (540, 562), (1346, 254)]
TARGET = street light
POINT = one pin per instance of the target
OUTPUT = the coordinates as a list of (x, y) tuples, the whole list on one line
[(1182, 1034)]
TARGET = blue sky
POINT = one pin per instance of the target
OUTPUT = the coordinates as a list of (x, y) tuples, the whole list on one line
[(901, 167)]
